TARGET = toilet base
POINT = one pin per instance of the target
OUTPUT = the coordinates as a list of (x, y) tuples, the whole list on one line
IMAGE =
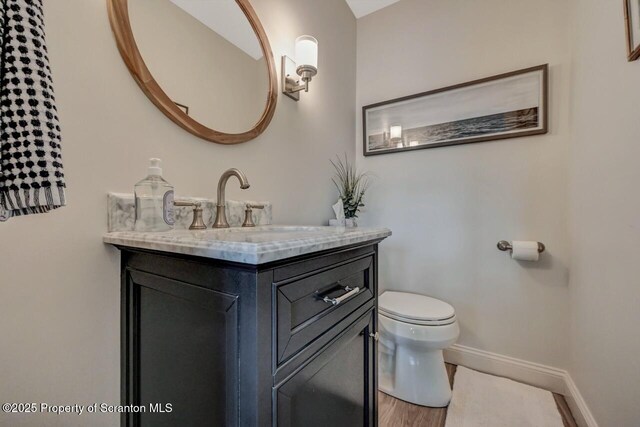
[(418, 377)]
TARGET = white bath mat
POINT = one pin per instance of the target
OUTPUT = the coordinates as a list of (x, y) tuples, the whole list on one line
[(481, 400)]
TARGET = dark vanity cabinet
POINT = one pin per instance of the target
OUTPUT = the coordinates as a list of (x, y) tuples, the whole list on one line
[(214, 343)]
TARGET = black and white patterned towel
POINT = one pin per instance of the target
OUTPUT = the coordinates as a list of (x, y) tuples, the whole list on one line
[(31, 176)]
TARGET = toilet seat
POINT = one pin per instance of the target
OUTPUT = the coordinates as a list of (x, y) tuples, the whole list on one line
[(442, 322), (416, 309)]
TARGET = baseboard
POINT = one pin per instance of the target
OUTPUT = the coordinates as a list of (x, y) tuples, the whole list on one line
[(542, 376), (546, 377), (578, 406)]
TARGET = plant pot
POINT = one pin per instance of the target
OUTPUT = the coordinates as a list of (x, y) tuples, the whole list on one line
[(351, 222)]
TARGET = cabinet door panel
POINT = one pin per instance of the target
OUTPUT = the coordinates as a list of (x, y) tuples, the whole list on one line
[(336, 388), (183, 351)]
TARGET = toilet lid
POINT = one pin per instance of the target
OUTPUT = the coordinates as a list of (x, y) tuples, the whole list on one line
[(414, 307)]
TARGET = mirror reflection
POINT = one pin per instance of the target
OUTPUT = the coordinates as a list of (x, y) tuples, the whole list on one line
[(206, 57)]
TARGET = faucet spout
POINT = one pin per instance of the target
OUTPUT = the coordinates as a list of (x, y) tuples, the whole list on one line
[(221, 215), (222, 183)]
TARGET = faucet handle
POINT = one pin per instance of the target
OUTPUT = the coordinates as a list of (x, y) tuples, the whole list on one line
[(248, 211), (198, 222)]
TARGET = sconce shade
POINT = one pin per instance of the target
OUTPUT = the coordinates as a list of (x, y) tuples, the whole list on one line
[(307, 51), (395, 132)]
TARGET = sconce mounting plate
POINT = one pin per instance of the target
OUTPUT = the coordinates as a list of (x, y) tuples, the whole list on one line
[(290, 78)]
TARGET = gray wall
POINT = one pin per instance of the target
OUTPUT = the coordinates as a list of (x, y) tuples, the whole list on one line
[(449, 206), (574, 189), (605, 216), (59, 293)]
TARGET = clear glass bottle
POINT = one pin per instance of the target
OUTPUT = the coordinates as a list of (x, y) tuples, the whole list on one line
[(154, 201)]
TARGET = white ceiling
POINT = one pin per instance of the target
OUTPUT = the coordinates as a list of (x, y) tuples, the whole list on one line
[(361, 8), (226, 19)]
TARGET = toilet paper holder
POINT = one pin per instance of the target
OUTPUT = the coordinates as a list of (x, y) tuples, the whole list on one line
[(503, 245)]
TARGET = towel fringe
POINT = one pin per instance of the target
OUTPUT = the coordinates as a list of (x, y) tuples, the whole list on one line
[(32, 200)]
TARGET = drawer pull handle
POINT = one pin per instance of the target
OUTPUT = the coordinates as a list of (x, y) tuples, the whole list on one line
[(349, 294)]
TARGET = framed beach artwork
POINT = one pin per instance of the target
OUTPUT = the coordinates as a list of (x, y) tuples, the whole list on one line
[(504, 106), (632, 23)]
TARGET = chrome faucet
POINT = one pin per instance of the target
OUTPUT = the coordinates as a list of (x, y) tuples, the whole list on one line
[(221, 215)]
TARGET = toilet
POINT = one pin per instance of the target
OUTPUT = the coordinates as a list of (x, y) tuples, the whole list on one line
[(414, 329)]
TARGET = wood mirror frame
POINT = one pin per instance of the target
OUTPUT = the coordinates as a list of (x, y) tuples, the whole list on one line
[(121, 26)]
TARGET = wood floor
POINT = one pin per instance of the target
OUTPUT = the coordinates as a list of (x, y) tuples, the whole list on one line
[(393, 412)]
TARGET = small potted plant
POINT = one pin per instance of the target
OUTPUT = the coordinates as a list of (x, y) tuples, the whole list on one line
[(351, 186)]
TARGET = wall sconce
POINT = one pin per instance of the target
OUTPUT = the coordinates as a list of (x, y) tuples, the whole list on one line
[(304, 68)]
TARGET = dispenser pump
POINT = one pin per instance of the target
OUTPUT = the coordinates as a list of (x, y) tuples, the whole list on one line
[(154, 167)]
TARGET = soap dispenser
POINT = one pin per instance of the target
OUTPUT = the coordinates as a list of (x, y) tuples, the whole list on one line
[(154, 201)]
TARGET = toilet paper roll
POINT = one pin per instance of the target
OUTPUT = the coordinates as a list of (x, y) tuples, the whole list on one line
[(525, 250)]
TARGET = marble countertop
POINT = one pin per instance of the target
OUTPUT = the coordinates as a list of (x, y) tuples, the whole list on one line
[(257, 245)]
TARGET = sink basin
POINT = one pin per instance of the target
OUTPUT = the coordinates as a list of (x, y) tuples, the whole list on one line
[(273, 229), (271, 233)]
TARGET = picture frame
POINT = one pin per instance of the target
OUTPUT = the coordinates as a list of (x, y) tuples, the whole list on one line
[(632, 28), (509, 105)]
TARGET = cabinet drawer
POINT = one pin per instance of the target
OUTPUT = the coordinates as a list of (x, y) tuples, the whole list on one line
[(309, 305)]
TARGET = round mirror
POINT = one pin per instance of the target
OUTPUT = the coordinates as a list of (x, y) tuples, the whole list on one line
[(206, 64)]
